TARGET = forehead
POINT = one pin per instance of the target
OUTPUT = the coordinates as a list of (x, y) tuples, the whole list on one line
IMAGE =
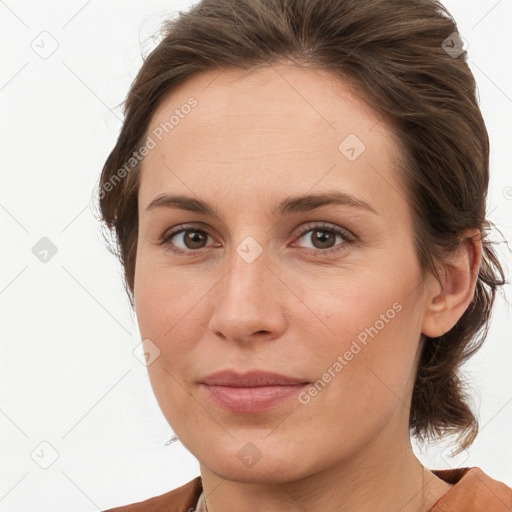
[(272, 129), (267, 97)]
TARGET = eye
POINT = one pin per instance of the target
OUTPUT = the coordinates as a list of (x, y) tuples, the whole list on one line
[(192, 239), (323, 238)]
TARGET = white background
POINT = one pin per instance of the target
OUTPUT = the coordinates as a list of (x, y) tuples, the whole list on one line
[(69, 376)]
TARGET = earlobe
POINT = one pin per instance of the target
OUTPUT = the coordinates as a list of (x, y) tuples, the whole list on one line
[(435, 318), (447, 302)]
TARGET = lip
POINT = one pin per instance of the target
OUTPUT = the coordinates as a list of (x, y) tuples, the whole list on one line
[(251, 379), (250, 392)]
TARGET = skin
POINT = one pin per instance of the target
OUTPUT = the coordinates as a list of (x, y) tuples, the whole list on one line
[(253, 140)]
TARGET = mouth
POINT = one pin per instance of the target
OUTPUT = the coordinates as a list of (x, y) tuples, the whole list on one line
[(251, 392)]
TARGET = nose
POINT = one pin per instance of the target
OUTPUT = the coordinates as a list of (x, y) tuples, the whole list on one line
[(250, 301)]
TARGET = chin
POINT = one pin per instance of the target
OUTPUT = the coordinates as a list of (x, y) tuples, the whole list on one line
[(245, 463)]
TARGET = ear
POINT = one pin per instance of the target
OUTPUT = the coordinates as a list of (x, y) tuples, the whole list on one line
[(446, 303)]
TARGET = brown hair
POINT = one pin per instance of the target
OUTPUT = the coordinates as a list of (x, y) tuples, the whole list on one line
[(400, 54)]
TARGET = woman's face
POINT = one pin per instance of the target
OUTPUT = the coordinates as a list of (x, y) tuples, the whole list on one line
[(297, 259)]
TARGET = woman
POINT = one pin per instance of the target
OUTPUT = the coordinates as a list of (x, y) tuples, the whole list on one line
[(298, 194)]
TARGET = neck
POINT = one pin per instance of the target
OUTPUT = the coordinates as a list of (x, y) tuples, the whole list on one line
[(395, 481)]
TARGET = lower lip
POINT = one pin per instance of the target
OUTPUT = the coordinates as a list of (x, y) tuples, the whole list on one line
[(251, 400)]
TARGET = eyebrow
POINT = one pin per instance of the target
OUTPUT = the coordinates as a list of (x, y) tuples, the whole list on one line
[(291, 204)]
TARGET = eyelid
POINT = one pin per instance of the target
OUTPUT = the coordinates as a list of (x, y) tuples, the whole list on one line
[(347, 235), (309, 226)]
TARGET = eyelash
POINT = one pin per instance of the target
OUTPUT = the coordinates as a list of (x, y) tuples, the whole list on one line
[(348, 238)]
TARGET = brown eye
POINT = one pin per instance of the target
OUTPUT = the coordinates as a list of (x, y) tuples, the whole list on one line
[(194, 239), (323, 239), (185, 240)]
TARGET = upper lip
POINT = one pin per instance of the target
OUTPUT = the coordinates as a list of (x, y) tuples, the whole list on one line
[(251, 379)]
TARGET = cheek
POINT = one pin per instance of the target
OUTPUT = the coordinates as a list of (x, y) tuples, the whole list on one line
[(373, 334), (377, 359), (364, 375), (167, 299), (170, 312)]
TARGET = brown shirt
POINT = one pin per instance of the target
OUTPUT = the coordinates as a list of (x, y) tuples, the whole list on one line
[(473, 491)]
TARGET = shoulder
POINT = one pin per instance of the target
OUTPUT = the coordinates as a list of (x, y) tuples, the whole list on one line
[(473, 491), (182, 499)]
